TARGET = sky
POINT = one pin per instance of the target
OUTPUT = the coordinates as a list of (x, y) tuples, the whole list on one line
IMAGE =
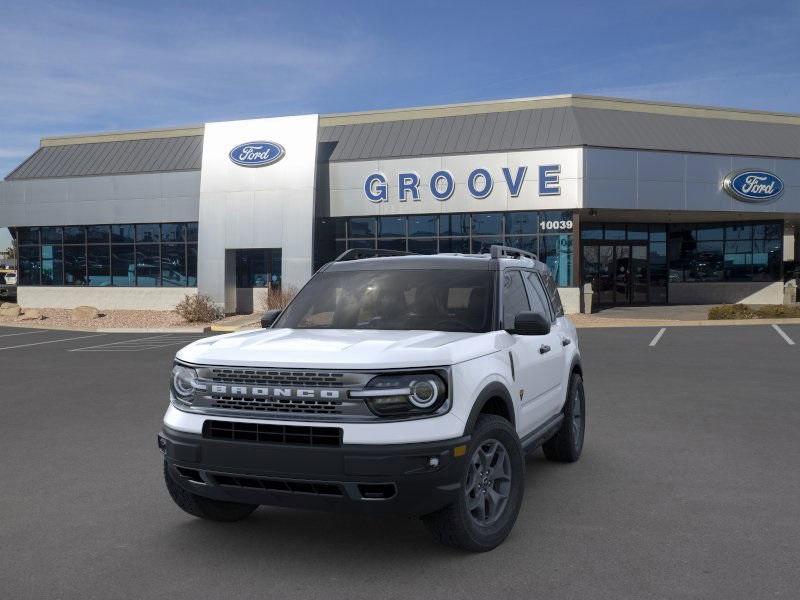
[(77, 67)]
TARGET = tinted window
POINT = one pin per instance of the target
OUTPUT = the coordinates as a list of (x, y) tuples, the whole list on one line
[(537, 295), (422, 226), (97, 234), (122, 234), (552, 293), (487, 224), (515, 298), (148, 233), (391, 226), (438, 300), (362, 227)]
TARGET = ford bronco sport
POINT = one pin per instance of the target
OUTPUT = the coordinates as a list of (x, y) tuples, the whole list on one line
[(390, 384)]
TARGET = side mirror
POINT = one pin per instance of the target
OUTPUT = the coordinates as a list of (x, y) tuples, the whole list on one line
[(531, 323), (269, 318)]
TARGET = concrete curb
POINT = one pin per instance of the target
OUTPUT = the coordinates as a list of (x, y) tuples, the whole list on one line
[(155, 330)]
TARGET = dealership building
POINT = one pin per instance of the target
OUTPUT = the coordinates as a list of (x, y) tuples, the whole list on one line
[(651, 203)]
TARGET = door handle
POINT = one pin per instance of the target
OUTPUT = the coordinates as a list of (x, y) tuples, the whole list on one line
[(566, 342), (544, 349)]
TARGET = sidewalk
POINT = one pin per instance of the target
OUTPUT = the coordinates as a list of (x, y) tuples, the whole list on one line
[(662, 316)]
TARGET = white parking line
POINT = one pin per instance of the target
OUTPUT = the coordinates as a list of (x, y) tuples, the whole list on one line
[(658, 336), (24, 333), (151, 337), (138, 344), (83, 337), (782, 333)]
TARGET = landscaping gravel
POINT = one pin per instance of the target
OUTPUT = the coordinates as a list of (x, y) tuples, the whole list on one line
[(56, 318)]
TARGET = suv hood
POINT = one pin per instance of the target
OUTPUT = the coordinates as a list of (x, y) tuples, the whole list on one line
[(339, 348)]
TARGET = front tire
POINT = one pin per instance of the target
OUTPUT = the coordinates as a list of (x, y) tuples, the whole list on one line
[(491, 490), (567, 443), (205, 508)]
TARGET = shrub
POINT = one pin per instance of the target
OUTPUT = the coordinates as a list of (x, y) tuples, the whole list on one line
[(198, 308), (731, 311), (271, 297), (778, 311), (747, 311)]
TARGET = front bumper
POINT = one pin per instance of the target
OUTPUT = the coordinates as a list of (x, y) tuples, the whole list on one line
[(413, 479)]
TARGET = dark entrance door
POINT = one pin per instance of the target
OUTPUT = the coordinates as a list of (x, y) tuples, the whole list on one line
[(618, 272)]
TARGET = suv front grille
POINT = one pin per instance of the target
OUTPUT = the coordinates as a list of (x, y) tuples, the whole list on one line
[(277, 377), (279, 405), (273, 434)]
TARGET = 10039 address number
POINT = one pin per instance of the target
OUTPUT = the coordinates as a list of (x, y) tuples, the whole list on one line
[(556, 225)]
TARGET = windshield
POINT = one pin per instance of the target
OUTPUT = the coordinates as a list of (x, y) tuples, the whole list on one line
[(438, 300)]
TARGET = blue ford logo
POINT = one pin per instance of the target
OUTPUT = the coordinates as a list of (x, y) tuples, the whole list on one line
[(257, 154), (753, 186)]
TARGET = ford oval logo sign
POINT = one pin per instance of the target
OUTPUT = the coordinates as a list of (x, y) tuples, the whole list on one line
[(257, 154), (753, 186)]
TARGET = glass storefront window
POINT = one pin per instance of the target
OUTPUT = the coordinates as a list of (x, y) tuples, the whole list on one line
[(74, 235), (27, 235), (107, 255), (148, 233), (739, 231), (454, 225), (421, 246), (173, 265), (74, 265), (556, 252), (98, 259), (395, 244), (362, 227), (173, 232), (30, 264), (447, 233), (637, 232), (191, 266), (122, 234), (481, 245), (454, 245), (123, 265), (614, 231), (52, 265), (51, 235), (97, 234), (487, 224), (591, 231), (422, 225), (148, 265), (258, 268), (391, 227), (529, 243), (522, 223)]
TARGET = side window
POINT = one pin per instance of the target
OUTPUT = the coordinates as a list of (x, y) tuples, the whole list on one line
[(552, 292), (515, 298), (538, 296)]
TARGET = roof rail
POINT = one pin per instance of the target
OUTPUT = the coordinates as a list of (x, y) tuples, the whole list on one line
[(509, 252), (359, 253)]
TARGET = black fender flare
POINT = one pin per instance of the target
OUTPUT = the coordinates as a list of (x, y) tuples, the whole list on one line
[(492, 390)]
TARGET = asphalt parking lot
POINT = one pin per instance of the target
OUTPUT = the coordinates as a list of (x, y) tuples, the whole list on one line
[(689, 485)]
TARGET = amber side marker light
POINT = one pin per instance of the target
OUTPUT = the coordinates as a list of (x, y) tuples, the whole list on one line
[(459, 451)]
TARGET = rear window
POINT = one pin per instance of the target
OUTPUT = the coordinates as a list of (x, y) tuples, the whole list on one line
[(552, 292)]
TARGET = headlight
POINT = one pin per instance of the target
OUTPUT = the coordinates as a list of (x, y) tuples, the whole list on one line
[(183, 380), (405, 395)]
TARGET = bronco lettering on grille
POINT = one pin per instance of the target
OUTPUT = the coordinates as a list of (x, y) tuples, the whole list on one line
[(277, 392)]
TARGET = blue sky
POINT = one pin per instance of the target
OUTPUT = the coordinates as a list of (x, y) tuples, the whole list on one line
[(74, 67)]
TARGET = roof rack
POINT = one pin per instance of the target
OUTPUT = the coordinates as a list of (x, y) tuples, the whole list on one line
[(359, 253), (509, 252)]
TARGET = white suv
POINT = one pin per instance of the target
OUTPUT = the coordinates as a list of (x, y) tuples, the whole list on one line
[(391, 384)]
